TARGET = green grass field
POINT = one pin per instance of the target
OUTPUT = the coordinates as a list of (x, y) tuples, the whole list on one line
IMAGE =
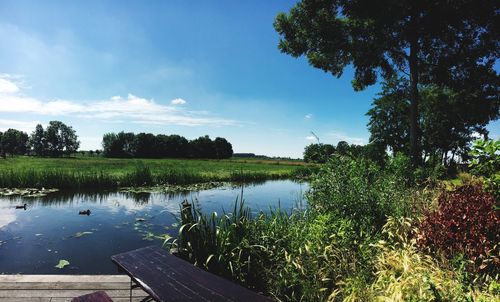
[(79, 172)]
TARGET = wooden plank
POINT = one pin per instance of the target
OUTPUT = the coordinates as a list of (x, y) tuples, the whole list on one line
[(166, 277), (64, 278), (65, 285), (40, 293), (122, 299), (29, 300)]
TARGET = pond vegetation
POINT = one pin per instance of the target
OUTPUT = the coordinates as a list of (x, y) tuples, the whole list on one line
[(370, 233), (103, 173)]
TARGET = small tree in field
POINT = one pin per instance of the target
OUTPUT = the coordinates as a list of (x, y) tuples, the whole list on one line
[(61, 139)]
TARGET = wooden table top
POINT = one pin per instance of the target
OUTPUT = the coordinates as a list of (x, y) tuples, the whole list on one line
[(168, 278)]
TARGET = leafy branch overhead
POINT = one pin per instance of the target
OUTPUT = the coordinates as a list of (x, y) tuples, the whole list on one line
[(452, 45)]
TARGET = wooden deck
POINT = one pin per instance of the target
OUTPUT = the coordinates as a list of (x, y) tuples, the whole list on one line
[(59, 288)]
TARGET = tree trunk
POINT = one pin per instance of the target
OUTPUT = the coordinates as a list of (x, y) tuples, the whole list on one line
[(414, 97)]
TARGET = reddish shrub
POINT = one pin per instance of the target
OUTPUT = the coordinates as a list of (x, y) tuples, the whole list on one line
[(467, 223)]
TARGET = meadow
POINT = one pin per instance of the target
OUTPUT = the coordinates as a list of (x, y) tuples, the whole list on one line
[(85, 172)]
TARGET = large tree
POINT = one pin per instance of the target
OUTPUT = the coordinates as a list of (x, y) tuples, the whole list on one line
[(61, 139), (38, 141), (223, 148), (449, 121), (14, 142), (2, 153), (446, 43)]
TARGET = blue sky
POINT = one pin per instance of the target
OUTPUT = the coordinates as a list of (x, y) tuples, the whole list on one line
[(175, 67)]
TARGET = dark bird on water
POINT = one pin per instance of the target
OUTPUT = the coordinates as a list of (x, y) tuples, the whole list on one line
[(87, 212), (21, 207)]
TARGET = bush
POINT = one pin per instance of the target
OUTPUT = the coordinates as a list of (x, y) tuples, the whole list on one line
[(485, 162), (359, 190), (465, 222)]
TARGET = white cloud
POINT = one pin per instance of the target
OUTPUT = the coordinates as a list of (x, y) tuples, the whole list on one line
[(28, 126), (132, 109), (7, 86), (7, 216), (339, 136), (310, 138), (308, 116), (178, 101)]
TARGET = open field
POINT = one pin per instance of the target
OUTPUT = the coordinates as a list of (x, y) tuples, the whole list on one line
[(99, 172)]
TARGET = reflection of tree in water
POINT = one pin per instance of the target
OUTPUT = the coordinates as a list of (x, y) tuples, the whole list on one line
[(75, 197)]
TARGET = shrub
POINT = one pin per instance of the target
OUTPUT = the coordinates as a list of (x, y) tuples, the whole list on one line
[(465, 223), (485, 162), (359, 190), (405, 274)]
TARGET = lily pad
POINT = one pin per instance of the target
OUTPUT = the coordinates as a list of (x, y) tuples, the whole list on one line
[(149, 237), (62, 263)]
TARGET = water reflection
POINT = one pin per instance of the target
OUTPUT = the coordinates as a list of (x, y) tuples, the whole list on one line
[(50, 229)]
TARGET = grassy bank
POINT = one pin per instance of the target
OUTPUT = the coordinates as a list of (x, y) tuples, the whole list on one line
[(104, 173), (370, 233)]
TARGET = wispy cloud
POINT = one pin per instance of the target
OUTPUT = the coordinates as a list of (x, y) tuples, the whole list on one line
[(308, 116), (26, 126), (310, 138), (178, 101), (132, 108), (7, 86), (340, 136)]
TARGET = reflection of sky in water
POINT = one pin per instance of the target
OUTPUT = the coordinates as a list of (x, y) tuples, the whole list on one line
[(33, 240), (6, 216)]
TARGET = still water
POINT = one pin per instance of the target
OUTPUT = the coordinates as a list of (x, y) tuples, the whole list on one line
[(32, 241)]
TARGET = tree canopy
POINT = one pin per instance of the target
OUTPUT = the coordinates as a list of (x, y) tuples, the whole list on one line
[(147, 145), (449, 121), (60, 139), (452, 44), (13, 142)]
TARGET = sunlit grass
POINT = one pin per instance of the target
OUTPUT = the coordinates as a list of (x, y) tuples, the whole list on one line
[(100, 173)]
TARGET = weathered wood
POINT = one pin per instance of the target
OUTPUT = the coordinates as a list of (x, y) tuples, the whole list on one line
[(63, 288), (64, 278), (166, 277), (65, 285), (63, 293), (31, 299)]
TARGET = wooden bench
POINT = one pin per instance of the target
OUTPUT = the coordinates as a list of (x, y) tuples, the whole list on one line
[(168, 278)]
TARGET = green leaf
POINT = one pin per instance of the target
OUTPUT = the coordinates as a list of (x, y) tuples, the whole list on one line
[(62, 263)]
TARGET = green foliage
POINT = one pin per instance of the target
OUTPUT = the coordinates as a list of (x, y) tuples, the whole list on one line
[(14, 142), (485, 162), (62, 263), (104, 173), (38, 141), (405, 274), (147, 145), (321, 153), (448, 120), (359, 190), (60, 139), (355, 242), (318, 153), (443, 43)]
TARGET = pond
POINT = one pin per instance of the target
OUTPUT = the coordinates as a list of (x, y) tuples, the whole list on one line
[(33, 240)]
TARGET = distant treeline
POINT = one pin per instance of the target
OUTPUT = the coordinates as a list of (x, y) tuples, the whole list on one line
[(148, 145), (57, 140), (320, 153)]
